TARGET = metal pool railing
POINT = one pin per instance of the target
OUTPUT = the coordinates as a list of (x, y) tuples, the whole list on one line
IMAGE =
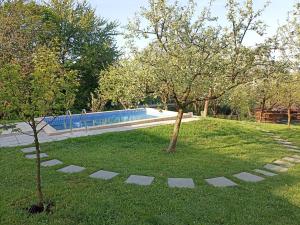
[(65, 122), (83, 114)]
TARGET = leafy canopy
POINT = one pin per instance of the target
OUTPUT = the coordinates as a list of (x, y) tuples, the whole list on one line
[(48, 89)]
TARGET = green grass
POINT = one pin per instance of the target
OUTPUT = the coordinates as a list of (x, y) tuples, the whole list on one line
[(206, 148)]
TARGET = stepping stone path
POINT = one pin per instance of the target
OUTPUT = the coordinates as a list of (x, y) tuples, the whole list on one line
[(104, 175), (280, 165), (248, 177), (33, 156), (266, 173), (284, 163), (275, 168), (71, 169), (220, 182), (28, 150), (181, 182), (139, 180), (52, 162)]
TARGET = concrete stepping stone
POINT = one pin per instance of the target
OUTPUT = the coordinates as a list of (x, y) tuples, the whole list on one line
[(276, 138), (71, 169), (283, 142), (104, 175), (291, 146), (220, 182), (275, 168), (181, 182), (248, 177), (266, 173), (139, 180), (52, 162), (28, 150), (296, 156), (291, 159), (33, 156), (283, 163)]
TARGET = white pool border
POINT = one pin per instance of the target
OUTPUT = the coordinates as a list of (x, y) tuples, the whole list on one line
[(162, 115)]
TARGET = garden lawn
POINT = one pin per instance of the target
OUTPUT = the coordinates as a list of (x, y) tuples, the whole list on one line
[(207, 148)]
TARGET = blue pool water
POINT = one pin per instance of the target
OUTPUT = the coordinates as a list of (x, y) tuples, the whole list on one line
[(97, 119)]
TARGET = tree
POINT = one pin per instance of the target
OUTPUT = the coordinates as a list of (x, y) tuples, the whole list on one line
[(124, 83), (194, 56), (290, 37), (288, 94), (85, 42), (47, 90), (20, 31)]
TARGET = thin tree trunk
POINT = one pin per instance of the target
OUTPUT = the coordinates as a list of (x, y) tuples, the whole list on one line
[(289, 117), (206, 104), (165, 102), (38, 165), (205, 111), (173, 141), (262, 110), (249, 112), (195, 108)]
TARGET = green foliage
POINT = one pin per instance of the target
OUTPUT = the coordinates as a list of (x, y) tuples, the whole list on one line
[(84, 41), (191, 54), (290, 36), (288, 91), (20, 32), (125, 83), (47, 90)]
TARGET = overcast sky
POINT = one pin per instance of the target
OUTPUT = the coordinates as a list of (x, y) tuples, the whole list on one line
[(122, 10)]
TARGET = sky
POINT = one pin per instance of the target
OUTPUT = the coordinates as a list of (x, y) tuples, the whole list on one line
[(122, 10)]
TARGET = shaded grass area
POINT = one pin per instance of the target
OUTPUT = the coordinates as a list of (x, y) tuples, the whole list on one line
[(206, 149)]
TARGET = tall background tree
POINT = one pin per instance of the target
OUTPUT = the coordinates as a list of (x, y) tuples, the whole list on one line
[(85, 42)]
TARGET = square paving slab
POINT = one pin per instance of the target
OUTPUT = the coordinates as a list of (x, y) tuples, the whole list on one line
[(104, 175), (284, 163), (278, 139), (71, 169), (220, 182), (291, 146), (52, 162), (33, 156), (284, 142), (291, 159), (28, 150), (139, 180), (248, 177), (181, 182), (296, 156), (266, 173), (275, 168)]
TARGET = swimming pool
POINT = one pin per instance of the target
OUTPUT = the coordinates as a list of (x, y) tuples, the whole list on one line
[(109, 119)]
